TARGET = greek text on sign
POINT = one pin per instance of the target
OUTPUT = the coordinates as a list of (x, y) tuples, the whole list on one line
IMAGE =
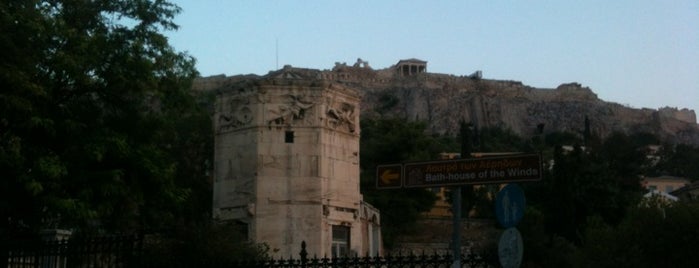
[(524, 167)]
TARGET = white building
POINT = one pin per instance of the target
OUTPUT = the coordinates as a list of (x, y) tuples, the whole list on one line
[(287, 164)]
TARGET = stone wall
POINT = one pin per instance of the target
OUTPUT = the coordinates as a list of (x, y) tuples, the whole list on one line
[(286, 162), (443, 100), (685, 115)]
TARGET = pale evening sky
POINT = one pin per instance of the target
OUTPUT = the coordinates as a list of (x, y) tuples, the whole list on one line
[(634, 52)]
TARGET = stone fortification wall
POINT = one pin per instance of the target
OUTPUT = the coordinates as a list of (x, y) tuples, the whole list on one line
[(685, 115), (443, 100)]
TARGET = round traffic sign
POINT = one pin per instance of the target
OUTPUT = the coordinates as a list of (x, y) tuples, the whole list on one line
[(509, 205), (510, 248)]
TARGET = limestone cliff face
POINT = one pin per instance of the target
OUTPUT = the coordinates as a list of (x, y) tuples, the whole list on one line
[(443, 100)]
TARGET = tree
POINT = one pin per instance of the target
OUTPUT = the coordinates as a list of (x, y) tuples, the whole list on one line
[(590, 182), (387, 141), (496, 139), (208, 245), (679, 160), (660, 235), (479, 199), (93, 116)]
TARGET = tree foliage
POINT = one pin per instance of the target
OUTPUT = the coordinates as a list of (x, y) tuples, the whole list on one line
[(679, 160), (96, 116), (389, 141), (497, 139), (208, 245), (594, 181), (477, 200), (585, 211), (587, 192), (651, 236)]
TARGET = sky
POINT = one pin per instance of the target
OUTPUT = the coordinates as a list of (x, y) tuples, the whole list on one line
[(643, 54)]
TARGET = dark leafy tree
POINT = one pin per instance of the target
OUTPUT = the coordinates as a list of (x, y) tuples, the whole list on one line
[(562, 138), (601, 182), (387, 141), (652, 235), (495, 139), (643, 139), (679, 160), (207, 245), (542, 248), (587, 134), (96, 117), (625, 156), (477, 200)]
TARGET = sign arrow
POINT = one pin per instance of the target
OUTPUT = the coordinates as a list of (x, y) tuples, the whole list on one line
[(388, 176)]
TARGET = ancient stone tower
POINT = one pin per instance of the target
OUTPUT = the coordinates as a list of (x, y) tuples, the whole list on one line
[(287, 164)]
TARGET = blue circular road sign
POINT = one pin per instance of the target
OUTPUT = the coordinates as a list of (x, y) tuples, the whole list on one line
[(510, 248), (509, 205)]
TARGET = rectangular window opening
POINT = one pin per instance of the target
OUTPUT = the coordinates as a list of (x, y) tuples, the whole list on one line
[(289, 137), (341, 241)]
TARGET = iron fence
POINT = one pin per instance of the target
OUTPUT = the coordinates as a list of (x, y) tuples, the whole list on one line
[(128, 251), (108, 251), (388, 261)]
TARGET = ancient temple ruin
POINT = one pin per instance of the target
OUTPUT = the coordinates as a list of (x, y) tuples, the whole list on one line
[(411, 67)]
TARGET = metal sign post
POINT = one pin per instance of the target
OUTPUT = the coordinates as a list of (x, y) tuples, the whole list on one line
[(456, 232)]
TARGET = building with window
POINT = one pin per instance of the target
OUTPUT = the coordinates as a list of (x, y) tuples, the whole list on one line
[(664, 184), (286, 164), (688, 193)]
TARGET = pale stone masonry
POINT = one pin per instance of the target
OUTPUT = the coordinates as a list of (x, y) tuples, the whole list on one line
[(287, 164)]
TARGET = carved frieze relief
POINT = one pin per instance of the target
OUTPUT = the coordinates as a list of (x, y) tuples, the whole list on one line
[(341, 116), (236, 113), (291, 110)]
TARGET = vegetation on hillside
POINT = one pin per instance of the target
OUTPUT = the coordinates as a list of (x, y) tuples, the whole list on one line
[(99, 130), (389, 141)]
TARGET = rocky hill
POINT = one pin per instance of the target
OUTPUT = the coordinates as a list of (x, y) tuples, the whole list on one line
[(406, 90)]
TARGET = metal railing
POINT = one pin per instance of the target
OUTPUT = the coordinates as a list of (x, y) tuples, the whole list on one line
[(388, 261), (107, 251), (128, 251)]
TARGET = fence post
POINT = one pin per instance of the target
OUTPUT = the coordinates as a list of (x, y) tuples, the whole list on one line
[(54, 241), (304, 254)]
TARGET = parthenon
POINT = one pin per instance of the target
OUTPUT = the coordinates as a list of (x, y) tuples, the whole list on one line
[(411, 67)]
